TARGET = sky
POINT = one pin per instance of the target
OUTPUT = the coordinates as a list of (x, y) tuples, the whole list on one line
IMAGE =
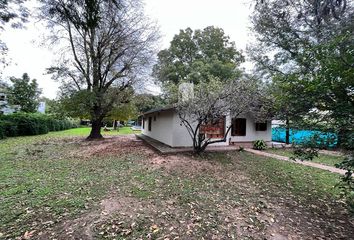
[(27, 53)]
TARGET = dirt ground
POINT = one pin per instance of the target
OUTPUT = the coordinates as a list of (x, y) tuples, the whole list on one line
[(192, 197)]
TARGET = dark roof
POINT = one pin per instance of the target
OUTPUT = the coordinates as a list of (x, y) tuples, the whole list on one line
[(161, 109)]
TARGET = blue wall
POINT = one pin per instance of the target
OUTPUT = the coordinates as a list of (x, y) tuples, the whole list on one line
[(300, 136)]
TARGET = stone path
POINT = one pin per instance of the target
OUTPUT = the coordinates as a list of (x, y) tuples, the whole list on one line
[(332, 153), (306, 163)]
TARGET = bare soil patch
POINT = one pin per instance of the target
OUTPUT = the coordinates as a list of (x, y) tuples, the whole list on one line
[(110, 146)]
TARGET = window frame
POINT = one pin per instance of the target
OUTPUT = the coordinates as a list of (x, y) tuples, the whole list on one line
[(237, 123), (150, 124), (261, 126)]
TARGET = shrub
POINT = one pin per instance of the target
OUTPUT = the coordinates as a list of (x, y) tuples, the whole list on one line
[(2, 129), (259, 145), (22, 124), (7, 129)]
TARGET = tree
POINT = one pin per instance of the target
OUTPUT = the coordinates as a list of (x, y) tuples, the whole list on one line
[(124, 112), (215, 99), (25, 93), (110, 44), (195, 56), (11, 12), (305, 48), (145, 102)]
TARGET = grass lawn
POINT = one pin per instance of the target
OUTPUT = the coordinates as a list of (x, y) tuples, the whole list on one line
[(58, 186), (325, 159), (85, 131)]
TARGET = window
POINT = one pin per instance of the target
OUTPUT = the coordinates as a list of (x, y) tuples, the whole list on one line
[(238, 127), (261, 126), (214, 130), (143, 123), (149, 126)]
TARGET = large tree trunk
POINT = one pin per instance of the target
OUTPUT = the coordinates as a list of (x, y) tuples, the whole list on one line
[(287, 132), (95, 130)]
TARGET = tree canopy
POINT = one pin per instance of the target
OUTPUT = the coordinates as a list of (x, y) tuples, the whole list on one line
[(305, 49), (195, 56), (25, 93)]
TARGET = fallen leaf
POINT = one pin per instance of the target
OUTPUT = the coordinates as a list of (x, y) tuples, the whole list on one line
[(28, 234)]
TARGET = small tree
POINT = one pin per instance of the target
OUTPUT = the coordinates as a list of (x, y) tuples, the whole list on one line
[(24, 92), (213, 100)]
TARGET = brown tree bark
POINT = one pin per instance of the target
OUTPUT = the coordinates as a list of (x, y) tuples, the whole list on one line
[(95, 130)]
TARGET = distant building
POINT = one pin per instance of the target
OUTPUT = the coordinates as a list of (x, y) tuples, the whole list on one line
[(41, 107), (6, 108)]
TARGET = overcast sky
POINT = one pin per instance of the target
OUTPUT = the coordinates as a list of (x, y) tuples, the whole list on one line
[(27, 55)]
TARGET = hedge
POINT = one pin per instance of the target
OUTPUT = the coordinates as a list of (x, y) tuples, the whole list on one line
[(24, 124)]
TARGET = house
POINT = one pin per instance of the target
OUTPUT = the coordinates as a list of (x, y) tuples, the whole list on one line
[(6, 108), (164, 125)]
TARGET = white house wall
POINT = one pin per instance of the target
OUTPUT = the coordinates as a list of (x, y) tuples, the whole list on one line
[(181, 137), (168, 129), (252, 134), (162, 128)]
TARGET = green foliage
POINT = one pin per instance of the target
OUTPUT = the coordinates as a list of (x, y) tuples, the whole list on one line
[(347, 184), (196, 56), (24, 92), (146, 102), (24, 124), (124, 112), (311, 65), (307, 150), (76, 104), (259, 145), (305, 154)]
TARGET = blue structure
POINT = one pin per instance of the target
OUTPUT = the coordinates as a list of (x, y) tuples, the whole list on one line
[(298, 136)]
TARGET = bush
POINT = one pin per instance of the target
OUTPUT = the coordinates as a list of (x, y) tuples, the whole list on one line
[(259, 145), (24, 124), (7, 129)]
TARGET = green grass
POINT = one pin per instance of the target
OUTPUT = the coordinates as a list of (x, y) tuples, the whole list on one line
[(47, 180), (325, 159), (85, 131), (300, 180)]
